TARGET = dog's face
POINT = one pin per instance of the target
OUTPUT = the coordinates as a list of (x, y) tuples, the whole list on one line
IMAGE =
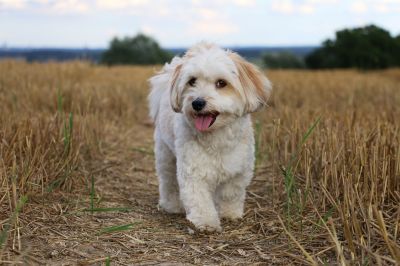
[(212, 87)]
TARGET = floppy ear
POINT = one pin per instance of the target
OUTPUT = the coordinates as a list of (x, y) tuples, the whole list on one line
[(255, 87), (175, 92)]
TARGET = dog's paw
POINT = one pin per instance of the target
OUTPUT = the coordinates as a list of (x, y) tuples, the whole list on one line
[(170, 208), (209, 229), (209, 225), (231, 214)]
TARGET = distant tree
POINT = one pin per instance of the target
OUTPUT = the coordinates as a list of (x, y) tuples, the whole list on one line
[(282, 60), (139, 50), (397, 39), (368, 47)]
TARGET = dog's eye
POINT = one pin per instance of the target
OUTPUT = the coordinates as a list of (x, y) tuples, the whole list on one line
[(192, 82), (220, 83)]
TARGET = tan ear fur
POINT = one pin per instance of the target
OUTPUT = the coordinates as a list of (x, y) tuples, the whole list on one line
[(256, 87), (174, 90)]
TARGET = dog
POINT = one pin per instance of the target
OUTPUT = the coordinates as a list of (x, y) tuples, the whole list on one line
[(200, 104)]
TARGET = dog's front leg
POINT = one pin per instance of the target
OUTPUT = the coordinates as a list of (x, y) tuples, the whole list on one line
[(197, 197), (230, 197)]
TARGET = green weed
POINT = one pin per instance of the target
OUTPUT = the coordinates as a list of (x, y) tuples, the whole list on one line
[(289, 172), (7, 226), (117, 228)]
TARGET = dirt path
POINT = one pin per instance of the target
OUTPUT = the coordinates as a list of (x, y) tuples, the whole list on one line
[(63, 233)]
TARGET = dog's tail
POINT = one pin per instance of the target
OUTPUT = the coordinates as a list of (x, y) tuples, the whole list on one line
[(158, 84)]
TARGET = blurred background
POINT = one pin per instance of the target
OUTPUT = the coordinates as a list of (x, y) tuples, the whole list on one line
[(273, 34)]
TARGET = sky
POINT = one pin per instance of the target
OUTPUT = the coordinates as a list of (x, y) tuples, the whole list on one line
[(181, 23)]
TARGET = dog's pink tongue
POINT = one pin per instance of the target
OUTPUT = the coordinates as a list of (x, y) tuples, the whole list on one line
[(202, 122)]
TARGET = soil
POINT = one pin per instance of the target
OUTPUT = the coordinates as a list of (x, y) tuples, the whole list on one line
[(61, 232)]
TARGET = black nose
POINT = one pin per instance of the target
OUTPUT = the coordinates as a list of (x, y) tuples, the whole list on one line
[(198, 104)]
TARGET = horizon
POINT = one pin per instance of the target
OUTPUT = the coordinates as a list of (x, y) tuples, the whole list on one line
[(91, 24), (6, 47)]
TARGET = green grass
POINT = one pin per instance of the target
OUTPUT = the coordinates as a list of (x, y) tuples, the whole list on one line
[(326, 217), (67, 132), (116, 209), (92, 194), (144, 150), (60, 101), (7, 226), (289, 174), (59, 181), (92, 209), (117, 228), (67, 127)]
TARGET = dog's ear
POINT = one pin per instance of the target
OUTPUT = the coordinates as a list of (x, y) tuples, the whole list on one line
[(255, 86), (175, 92)]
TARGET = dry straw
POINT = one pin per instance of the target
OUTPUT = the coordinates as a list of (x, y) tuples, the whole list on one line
[(75, 141)]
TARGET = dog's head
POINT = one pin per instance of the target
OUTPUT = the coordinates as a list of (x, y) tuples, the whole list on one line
[(212, 87)]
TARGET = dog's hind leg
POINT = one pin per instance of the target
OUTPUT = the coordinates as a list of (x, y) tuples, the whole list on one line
[(168, 185)]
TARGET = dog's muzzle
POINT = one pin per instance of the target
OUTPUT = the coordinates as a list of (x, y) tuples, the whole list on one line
[(199, 104)]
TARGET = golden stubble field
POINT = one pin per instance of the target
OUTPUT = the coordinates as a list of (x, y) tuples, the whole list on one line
[(77, 180)]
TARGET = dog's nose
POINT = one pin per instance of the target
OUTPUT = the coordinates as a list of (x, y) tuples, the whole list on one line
[(198, 104)]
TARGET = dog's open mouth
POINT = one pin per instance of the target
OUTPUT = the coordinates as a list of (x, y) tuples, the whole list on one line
[(204, 121)]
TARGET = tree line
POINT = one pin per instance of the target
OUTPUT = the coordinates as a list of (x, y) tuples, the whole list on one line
[(369, 47)]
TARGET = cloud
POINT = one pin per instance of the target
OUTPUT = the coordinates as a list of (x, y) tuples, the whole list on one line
[(47, 6), (382, 8), (41, 2), (208, 14), (196, 2), (213, 28), (359, 7), (375, 6), (288, 7), (322, 2), (284, 6), (12, 4), (224, 3), (210, 22), (146, 29), (306, 9), (120, 4), (245, 3), (69, 6), (387, 6)]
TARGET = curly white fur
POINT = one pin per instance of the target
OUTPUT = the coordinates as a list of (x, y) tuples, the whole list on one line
[(205, 172)]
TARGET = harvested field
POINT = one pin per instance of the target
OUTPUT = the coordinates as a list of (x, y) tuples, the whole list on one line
[(78, 186)]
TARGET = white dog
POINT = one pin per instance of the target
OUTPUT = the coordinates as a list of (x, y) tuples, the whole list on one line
[(204, 143)]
